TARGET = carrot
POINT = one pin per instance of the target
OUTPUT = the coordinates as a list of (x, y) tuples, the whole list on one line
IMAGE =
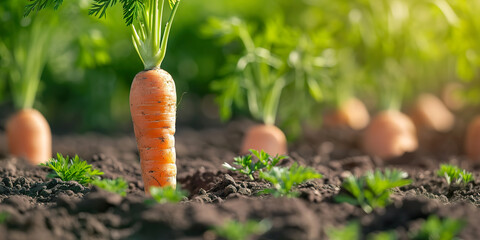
[(472, 140), (352, 113), (390, 134), (153, 107), (29, 136), (429, 112), (152, 96), (266, 137), (451, 96)]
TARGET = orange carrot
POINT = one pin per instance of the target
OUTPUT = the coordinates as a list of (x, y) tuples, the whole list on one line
[(29, 136), (352, 113), (429, 112), (472, 140), (452, 97), (266, 137), (153, 108), (390, 134)]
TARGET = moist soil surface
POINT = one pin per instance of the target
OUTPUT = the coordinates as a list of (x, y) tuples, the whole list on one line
[(41, 208)]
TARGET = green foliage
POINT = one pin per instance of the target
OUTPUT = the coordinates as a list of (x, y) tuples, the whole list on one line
[(349, 232), (435, 228), (37, 5), (131, 9), (373, 189), (248, 166), (235, 230), (73, 169), (118, 186), (283, 179), (166, 194), (454, 174), (4, 217)]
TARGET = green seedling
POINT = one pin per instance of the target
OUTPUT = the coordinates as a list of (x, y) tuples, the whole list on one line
[(454, 174), (118, 186), (372, 190), (235, 230), (283, 179), (166, 195), (71, 169), (4, 217), (248, 166), (435, 228), (349, 232)]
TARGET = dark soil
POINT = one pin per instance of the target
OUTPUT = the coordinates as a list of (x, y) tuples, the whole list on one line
[(41, 208)]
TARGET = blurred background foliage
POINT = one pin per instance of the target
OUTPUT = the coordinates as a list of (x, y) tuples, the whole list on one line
[(382, 51)]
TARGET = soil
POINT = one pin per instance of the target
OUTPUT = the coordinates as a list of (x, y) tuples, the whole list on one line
[(42, 208)]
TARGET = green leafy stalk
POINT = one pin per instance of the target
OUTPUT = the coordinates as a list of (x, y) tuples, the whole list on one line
[(150, 44), (166, 194), (234, 230), (73, 169), (118, 186), (454, 174), (248, 166), (284, 179), (372, 190)]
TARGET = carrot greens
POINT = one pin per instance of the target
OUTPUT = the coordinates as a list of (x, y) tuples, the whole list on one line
[(71, 169), (454, 174), (373, 189), (166, 195), (248, 166), (118, 185), (284, 179), (145, 18), (235, 230)]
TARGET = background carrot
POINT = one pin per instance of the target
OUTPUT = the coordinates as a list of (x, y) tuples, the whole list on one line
[(390, 134), (153, 108), (472, 140), (29, 136), (351, 113), (429, 112), (268, 138)]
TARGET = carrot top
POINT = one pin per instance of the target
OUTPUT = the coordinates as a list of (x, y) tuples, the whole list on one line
[(145, 18)]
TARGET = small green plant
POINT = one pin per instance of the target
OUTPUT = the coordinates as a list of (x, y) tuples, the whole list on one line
[(435, 228), (454, 174), (349, 232), (235, 230), (248, 166), (4, 217), (71, 169), (166, 194), (118, 186), (283, 179), (372, 190)]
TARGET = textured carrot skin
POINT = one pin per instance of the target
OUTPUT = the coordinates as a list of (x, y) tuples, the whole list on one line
[(29, 136), (153, 108)]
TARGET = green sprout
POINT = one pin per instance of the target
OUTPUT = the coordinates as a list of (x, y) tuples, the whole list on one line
[(372, 190), (455, 174), (235, 230), (73, 169), (118, 186), (4, 217), (283, 179), (248, 166), (166, 194), (435, 228), (349, 232)]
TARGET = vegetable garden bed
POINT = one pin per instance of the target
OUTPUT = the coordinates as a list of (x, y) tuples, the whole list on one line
[(34, 207)]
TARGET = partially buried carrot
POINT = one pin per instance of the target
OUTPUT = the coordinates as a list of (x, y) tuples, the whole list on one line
[(390, 134), (472, 140), (351, 113), (266, 137), (29, 136), (153, 108), (430, 113)]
